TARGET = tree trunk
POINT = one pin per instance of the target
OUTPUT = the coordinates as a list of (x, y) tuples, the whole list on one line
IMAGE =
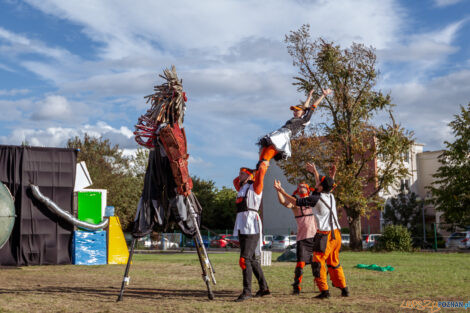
[(355, 238)]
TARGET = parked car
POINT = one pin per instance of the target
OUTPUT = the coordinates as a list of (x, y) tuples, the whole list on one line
[(460, 240), (268, 241), (205, 239), (281, 242), (369, 240), (345, 239), (220, 241), (167, 244), (233, 241)]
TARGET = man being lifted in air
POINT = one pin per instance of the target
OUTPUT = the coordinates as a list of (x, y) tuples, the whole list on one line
[(277, 144)]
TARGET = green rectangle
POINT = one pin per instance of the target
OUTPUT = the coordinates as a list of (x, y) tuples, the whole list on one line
[(89, 207)]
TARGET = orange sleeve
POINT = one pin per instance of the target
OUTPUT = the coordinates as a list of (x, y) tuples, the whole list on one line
[(236, 183), (259, 178)]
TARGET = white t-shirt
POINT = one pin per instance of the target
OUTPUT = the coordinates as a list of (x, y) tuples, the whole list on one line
[(322, 213), (248, 222)]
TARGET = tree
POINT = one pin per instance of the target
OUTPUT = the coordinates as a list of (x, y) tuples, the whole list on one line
[(139, 162), (111, 170), (347, 134), (218, 206), (451, 190), (406, 209)]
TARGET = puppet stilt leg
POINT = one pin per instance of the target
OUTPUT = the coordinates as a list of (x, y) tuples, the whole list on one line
[(207, 269), (125, 280)]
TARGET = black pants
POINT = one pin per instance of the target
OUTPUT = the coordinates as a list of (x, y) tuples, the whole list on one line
[(250, 262)]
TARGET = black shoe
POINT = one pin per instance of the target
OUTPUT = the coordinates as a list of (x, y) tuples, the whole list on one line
[(325, 294), (344, 292), (296, 292), (243, 297), (262, 293)]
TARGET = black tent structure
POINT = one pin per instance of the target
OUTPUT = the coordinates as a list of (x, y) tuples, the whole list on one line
[(39, 236)]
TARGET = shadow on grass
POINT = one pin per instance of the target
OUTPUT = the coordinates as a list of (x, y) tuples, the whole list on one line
[(111, 293)]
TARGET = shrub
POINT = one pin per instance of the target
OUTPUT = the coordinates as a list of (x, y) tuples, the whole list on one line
[(395, 238)]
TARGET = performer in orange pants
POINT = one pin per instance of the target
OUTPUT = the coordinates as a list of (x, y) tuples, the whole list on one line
[(327, 241)]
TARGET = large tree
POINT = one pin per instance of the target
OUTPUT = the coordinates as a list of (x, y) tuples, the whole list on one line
[(347, 133), (451, 190), (111, 170), (218, 205)]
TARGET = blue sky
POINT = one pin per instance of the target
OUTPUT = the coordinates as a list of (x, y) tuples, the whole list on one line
[(70, 67)]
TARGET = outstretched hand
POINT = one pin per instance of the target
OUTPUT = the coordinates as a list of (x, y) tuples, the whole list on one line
[(277, 185), (326, 92), (311, 167)]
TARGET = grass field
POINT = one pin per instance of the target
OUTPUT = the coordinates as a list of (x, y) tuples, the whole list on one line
[(172, 283)]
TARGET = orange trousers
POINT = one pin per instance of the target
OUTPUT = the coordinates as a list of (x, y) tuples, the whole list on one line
[(331, 258), (267, 153)]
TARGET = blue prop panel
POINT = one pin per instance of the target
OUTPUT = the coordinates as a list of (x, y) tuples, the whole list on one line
[(89, 247), (109, 211)]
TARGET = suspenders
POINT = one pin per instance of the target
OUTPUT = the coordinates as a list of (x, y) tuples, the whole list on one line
[(302, 213), (332, 217), (242, 206)]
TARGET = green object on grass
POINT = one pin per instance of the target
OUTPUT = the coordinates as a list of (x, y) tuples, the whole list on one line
[(89, 206), (375, 267)]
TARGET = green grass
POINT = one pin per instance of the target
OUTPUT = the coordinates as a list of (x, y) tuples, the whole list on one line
[(172, 283)]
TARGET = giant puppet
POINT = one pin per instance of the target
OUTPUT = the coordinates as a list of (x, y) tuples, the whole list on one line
[(166, 198)]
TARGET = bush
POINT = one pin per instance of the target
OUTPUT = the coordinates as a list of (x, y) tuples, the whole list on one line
[(395, 238)]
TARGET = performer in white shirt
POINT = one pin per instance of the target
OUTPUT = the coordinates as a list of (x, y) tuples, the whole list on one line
[(248, 228), (327, 241)]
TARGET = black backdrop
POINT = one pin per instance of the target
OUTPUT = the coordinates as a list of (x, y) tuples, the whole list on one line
[(39, 236)]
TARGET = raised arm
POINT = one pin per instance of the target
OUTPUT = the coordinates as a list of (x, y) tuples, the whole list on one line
[(259, 177), (282, 199), (307, 102), (324, 94), (236, 183), (313, 169), (290, 199)]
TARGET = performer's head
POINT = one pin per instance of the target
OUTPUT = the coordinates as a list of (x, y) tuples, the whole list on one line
[(297, 110), (246, 174), (326, 184), (302, 190)]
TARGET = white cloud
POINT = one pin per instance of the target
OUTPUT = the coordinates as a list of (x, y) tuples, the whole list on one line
[(6, 68), (427, 108), (14, 110), (13, 92), (53, 107), (445, 3), (58, 136), (19, 44), (426, 49), (126, 25)]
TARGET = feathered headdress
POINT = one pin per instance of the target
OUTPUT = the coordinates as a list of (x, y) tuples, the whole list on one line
[(167, 106)]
